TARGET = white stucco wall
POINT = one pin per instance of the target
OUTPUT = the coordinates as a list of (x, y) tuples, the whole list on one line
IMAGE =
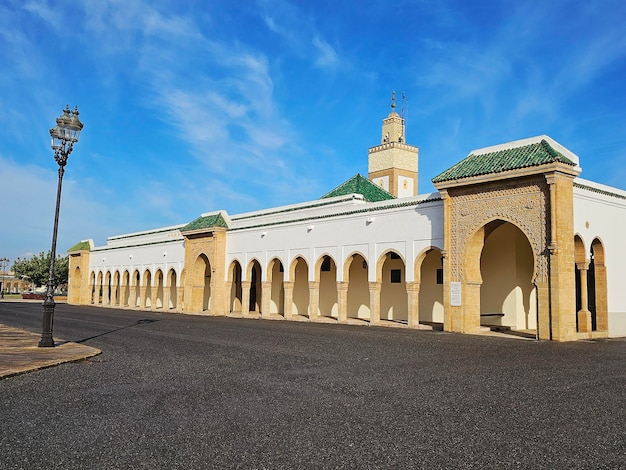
[(600, 212), (370, 229), (151, 250)]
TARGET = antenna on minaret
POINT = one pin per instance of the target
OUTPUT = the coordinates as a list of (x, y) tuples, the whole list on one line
[(404, 99)]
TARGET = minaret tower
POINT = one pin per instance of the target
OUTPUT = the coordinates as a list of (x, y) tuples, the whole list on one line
[(392, 165)]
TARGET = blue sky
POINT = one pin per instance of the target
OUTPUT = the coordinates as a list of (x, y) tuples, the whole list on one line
[(194, 106)]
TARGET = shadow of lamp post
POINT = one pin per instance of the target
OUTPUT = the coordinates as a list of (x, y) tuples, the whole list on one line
[(64, 135)]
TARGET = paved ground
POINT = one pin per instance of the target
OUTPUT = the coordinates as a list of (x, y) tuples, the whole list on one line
[(174, 391)]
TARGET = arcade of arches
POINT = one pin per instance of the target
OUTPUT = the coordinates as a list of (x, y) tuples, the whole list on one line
[(257, 291)]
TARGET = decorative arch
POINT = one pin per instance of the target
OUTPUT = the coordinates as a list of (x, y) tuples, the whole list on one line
[(299, 275), (254, 275), (501, 265), (92, 284), (99, 288), (75, 286), (276, 277), (201, 281), (116, 288), (326, 276), (147, 286), (236, 289), (597, 285), (391, 274), (429, 276), (172, 286), (160, 289), (358, 296), (136, 288), (126, 285)]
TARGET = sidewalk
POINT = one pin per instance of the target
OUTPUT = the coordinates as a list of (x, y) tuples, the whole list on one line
[(19, 352)]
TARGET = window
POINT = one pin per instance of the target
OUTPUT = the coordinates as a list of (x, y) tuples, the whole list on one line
[(440, 276), (396, 276), (326, 264), (394, 255)]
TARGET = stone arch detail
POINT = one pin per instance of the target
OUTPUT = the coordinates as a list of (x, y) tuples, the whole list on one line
[(522, 203)]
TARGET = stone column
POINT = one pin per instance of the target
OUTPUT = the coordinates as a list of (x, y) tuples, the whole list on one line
[(470, 298), (142, 297), (266, 289), (584, 315), (245, 297), (375, 302), (314, 300), (288, 286), (413, 290), (342, 302)]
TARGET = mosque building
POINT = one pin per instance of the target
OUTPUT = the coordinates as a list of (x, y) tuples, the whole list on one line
[(513, 240)]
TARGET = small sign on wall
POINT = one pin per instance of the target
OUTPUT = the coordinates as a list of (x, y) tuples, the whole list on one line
[(455, 294)]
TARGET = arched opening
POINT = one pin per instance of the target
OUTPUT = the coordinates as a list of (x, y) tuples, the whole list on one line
[(393, 294), (125, 289), (300, 271), (581, 269), (235, 288), (201, 284), (431, 288), (507, 296), (159, 289), (147, 280), (328, 296), (74, 294), (171, 282), (116, 288), (137, 288), (100, 288), (92, 284), (107, 290), (255, 287), (597, 287), (358, 288), (277, 289)]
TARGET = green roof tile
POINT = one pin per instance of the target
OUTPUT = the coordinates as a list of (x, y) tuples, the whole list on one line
[(84, 245), (359, 184), (534, 154), (207, 221)]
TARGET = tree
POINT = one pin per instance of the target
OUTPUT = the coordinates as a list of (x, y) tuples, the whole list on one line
[(37, 268)]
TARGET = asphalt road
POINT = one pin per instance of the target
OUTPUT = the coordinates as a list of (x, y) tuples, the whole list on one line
[(178, 391)]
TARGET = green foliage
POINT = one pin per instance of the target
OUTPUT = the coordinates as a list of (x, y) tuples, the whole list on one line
[(37, 268)]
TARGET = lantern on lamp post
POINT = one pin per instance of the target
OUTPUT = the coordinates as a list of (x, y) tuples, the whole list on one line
[(64, 135)]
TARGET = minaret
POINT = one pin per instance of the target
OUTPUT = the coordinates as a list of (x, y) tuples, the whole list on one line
[(392, 165)]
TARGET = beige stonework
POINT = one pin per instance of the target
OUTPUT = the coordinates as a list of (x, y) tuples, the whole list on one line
[(477, 206), (79, 290), (209, 245)]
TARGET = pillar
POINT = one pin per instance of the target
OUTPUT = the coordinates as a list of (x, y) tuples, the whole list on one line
[(245, 297), (342, 302), (584, 315), (266, 289), (374, 302), (314, 300), (413, 290), (288, 286)]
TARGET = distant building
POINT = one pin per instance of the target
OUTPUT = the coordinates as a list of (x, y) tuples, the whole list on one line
[(513, 239)]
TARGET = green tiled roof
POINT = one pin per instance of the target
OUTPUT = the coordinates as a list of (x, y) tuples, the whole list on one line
[(359, 184), (534, 154), (84, 245), (207, 221)]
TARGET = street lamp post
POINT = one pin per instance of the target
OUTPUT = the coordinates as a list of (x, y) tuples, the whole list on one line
[(64, 135), (3, 264)]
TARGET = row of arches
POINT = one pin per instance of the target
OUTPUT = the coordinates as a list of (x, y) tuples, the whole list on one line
[(503, 267), (591, 286), (317, 293), (123, 289)]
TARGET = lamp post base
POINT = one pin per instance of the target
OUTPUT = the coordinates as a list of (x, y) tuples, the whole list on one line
[(48, 314)]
